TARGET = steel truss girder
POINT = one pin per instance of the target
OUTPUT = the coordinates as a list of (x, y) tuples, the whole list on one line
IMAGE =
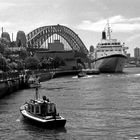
[(38, 35)]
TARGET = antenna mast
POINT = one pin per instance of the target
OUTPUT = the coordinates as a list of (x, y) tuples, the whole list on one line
[(2, 29), (108, 30)]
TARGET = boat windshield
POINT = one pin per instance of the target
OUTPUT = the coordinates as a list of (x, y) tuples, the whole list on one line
[(42, 108), (48, 109)]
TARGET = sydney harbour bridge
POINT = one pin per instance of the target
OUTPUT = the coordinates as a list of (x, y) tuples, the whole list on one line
[(39, 38)]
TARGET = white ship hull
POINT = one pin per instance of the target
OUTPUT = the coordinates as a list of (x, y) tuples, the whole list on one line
[(111, 64)]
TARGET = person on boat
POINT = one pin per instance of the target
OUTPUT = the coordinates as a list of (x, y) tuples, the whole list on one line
[(45, 99)]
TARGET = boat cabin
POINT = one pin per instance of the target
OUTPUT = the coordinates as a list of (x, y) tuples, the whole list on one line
[(42, 107)]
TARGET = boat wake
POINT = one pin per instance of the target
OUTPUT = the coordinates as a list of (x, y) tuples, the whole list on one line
[(138, 74), (87, 76), (133, 75), (18, 120)]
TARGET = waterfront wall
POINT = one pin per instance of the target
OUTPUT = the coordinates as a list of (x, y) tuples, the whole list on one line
[(59, 73), (13, 81)]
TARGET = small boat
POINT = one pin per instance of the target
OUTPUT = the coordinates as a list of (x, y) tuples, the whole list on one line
[(33, 82), (91, 71), (42, 112), (81, 74), (34, 85)]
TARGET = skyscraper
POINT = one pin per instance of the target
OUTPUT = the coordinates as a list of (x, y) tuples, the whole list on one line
[(137, 52), (21, 39), (6, 36)]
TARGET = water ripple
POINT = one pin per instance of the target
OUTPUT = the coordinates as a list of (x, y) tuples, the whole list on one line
[(102, 107)]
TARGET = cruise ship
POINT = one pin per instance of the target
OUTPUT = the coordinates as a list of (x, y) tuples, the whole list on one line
[(110, 54)]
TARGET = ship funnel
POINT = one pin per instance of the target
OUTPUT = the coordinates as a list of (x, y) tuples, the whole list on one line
[(103, 35)]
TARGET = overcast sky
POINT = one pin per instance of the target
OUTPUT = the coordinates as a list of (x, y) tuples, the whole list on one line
[(87, 18)]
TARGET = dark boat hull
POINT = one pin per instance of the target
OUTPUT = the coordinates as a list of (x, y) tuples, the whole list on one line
[(111, 64), (91, 71), (3, 88), (81, 74), (32, 85), (51, 123)]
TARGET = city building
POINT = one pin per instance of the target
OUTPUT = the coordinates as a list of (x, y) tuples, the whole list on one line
[(21, 39), (137, 52), (56, 50), (56, 46), (5, 35)]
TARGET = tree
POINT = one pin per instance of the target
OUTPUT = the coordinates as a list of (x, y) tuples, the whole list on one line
[(13, 65), (1, 48), (13, 44), (3, 64), (58, 62), (7, 52), (45, 63), (20, 64), (23, 54), (32, 63)]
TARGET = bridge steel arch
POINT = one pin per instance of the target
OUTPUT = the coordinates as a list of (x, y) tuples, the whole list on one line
[(38, 36)]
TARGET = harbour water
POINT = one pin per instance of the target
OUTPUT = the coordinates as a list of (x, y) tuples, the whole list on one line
[(98, 107)]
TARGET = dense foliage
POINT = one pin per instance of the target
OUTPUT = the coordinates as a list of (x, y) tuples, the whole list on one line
[(32, 63), (3, 64), (14, 56)]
